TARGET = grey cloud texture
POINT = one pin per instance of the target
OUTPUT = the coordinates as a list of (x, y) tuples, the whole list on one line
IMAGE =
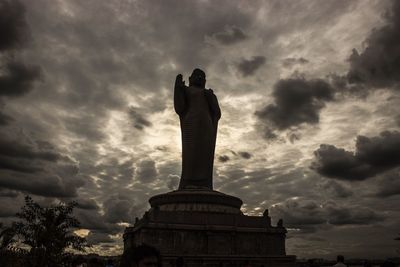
[(336, 189), (390, 185), (378, 64), (18, 80), (118, 209), (223, 158), (86, 204), (5, 119), (95, 222), (12, 24), (35, 167), (239, 155), (308, 215), (230, 35), (297, 101), (372, 156), (248, 67), (139, 121), (354, 215), (102, 99), (245, 155), (292, 61), (95, 238), (146, 171)]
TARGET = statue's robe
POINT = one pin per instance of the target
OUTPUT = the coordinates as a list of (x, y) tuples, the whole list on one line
[(199, 113)]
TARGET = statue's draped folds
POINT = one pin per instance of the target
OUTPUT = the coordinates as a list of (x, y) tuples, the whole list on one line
[(199, 113)]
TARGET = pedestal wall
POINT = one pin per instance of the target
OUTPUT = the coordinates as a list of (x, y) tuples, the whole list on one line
[(206, 231)]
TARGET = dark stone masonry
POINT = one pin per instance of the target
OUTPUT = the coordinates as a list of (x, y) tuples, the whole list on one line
[(207, 228)]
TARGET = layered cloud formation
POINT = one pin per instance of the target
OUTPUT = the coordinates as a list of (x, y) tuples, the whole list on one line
[(309, 98)]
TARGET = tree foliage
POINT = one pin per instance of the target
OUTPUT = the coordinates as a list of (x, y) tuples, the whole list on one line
[(48, 231), (6, 236)]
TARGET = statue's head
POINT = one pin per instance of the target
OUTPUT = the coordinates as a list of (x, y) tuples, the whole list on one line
[(198, 78)]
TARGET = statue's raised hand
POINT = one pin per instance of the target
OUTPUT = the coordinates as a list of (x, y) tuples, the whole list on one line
[(179, 95), (179, 82)]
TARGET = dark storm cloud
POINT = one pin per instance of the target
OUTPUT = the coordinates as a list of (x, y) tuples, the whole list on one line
[(173, 182), (248, 67), (25, 157), (146, 171), (42, 185), (336, 189), (117, 209), (140, 42), (94, 221), (113, 172), (382, 150), (357, 215), (35, 167), (95, 238), (390, 185), (305, 215), (18, 79), (85, 126), (11, 148), (230, 36), (12, 24), (341, 164), (8, 193), (245, 155), (7, 211), (223, 158), (5, 119), (139, 121), (86, 204), (9, 204), (309, 215), (297, 101), (292, 61), (379, 64), (17, 165), (372, 156)]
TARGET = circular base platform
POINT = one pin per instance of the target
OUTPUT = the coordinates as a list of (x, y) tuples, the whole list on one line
[(196, 200)]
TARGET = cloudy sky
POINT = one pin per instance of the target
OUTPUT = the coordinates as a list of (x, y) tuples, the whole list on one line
[(310, 99)]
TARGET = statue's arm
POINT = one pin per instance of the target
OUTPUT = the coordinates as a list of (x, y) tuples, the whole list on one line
[(214, 106), (179, 95)]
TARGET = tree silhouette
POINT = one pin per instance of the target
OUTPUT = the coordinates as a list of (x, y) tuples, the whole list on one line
[(6, 236), (48, 231)]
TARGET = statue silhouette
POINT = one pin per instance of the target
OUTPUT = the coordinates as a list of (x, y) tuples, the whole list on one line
[(199, 113)]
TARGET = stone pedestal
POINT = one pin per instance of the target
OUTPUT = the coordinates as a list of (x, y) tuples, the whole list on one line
[(207, 228)]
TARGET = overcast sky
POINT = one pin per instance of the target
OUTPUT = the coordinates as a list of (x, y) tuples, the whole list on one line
[(309, 92)]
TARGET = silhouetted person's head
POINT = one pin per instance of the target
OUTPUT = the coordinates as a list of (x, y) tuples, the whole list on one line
[(340, 258), (141, 256), (198, 78)]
